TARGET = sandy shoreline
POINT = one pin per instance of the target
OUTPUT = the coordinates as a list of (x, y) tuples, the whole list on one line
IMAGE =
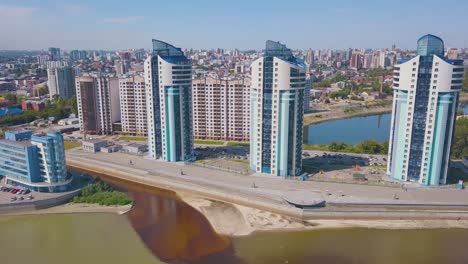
[(236, 220), (73, 208)]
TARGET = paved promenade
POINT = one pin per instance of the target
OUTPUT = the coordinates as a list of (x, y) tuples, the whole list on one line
[(269, 189)]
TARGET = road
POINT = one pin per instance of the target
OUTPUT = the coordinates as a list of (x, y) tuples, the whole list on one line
[(274, 187)]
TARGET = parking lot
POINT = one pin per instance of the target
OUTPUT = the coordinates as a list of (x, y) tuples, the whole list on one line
[(6, 197)]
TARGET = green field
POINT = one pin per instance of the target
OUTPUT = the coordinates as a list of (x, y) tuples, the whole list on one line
[(132, 138), (71, 144), (315, 147), (237, 143), (208, 142)]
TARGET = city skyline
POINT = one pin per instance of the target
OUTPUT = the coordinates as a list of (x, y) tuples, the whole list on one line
[(102, 25)]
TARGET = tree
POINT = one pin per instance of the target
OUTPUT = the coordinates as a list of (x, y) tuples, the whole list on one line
[(43, 90), (369, 146), (460, 139), (384, 149), (337, 146), (72, 104), (12, 98)]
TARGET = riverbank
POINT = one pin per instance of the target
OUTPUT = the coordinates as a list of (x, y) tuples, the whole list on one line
[(230, 193), (338, 112), (75, 208), (236, 220)]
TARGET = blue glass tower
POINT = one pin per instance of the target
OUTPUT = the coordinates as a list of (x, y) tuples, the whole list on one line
[(168, 78), (277, 112), (426, 92)]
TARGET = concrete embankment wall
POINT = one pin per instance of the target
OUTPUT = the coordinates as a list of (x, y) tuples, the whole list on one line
[(30, 205), (350, 211), (165, 182)]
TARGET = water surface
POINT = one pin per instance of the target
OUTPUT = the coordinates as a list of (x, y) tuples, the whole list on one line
[(351, 130), (163, 229)]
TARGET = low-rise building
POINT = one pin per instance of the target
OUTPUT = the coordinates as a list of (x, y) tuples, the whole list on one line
[(93, 145), (33, 105), (69, 121), (135, 148), (36, 162)]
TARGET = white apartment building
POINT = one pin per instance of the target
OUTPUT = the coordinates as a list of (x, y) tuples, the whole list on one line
[(221, 108), (61, 80), (133, 105)]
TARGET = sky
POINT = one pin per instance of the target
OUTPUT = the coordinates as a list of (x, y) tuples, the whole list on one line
[(242, 24)]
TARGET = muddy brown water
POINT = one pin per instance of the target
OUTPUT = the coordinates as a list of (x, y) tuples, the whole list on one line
[(163, 229)]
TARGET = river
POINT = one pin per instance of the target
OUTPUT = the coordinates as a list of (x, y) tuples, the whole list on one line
[(352, 130), (163, 229)]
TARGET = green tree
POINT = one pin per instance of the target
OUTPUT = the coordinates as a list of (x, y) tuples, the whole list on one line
[(12, 98), (369, 146), (72, 104), (337, 146), (460, 139), (43, 90)]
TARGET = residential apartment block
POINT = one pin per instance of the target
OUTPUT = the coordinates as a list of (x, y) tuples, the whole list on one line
[(277, 112), (61, 79), (221, 108), (426, 90), (98, 103), (133, 105), (168, 77)]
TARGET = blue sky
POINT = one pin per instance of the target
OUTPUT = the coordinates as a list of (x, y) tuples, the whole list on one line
[(243, 24)]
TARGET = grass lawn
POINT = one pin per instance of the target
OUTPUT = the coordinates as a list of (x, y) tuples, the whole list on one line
[(315, 147), (240, 161), (208, 142), (237, 143), (71, 144), (132, 138)]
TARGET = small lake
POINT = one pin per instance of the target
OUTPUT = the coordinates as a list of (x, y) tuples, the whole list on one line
[(351, 130)]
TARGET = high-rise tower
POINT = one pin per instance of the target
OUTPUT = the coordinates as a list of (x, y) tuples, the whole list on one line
[(277, 112), (426, 90), (168, 78)]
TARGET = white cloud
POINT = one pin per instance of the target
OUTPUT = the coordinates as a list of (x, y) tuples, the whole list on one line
[(123, 19)]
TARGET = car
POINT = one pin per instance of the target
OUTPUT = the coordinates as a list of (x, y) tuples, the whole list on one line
[(13, 198), (27, 191), (30, 197), (21, 198)]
